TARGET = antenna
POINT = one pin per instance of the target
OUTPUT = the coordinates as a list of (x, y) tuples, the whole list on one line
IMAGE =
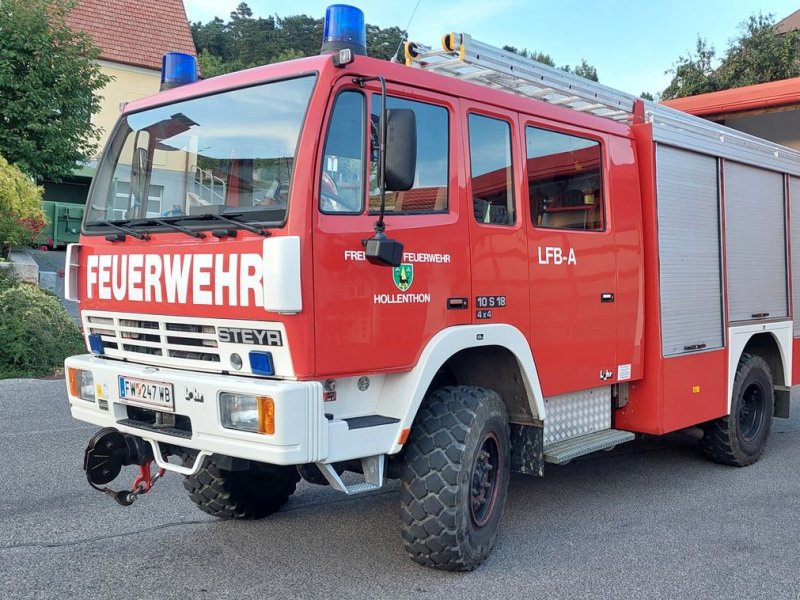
[(403, 38)]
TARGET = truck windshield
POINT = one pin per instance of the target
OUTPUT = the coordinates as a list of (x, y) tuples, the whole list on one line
[(230, 152)]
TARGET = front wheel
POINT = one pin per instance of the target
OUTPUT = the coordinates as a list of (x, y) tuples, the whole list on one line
[(739, 439), (455, 478), (250, 493)]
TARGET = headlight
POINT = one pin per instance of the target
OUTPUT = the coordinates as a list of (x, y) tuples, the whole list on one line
[(81, 384), (244, 412)]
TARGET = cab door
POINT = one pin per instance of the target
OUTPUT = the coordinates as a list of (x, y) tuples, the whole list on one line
[(573, 262), (372, 318), (497, 225)]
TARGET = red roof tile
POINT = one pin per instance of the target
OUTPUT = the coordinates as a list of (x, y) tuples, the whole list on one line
[(790, 23), (785, 92), (134, 33)]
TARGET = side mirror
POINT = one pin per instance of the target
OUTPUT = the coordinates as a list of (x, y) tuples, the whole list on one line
[(401, 149)]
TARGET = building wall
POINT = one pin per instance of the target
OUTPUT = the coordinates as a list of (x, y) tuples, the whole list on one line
[(782, 127), (128, 84)]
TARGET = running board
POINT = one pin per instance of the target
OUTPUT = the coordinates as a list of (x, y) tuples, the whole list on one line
[(563, 452), (372, 466)]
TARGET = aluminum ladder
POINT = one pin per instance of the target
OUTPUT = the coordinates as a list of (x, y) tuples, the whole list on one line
[(465, 58)]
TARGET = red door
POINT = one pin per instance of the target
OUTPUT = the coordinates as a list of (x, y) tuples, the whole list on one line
[(573, 265), (371, 318), (497, 225)]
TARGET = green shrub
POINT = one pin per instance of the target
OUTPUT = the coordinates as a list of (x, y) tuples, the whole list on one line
[(36, 333), (8, 279), (21, 216)]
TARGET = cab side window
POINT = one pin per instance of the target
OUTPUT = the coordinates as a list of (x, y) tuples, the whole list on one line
[(342, 181), (564, 181), (491, 172), (429, 192)]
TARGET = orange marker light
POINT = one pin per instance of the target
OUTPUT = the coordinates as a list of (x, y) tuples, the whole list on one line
[(72, 382), (403, 436), (695, 389), (266, 415)]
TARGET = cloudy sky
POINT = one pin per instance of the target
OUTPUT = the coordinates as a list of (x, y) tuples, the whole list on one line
[(630, 42)]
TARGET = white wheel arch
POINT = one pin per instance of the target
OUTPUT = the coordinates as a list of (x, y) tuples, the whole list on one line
[(740, 336), (403, 393)]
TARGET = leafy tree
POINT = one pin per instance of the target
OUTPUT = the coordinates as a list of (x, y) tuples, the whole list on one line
[(21, 216), (646, 96), (49, 84), (694, 73), (584, 70), (758, 55)]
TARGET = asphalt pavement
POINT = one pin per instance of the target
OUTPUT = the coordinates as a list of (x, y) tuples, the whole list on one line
[(652, 519)]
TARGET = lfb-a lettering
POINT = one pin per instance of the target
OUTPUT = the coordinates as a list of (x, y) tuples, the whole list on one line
[(553, 255)]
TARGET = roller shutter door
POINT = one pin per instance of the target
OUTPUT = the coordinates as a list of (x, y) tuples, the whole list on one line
[(755, 243), (794, 195), (689, 251)]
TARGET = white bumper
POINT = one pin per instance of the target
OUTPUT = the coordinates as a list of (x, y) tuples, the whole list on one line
[(301, 429)]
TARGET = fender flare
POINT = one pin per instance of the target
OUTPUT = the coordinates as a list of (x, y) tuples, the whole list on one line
[(413, 384), (740, 336)]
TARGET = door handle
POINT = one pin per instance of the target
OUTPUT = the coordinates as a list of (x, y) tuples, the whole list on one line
[(607, 297)]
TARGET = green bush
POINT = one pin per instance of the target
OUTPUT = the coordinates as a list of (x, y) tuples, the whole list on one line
[(21, 216), (36, 333)]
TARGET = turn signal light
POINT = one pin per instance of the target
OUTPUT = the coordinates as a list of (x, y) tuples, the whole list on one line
[(266, 415)]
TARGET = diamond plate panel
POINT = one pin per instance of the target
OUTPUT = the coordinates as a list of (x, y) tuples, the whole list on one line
[(577, 413)]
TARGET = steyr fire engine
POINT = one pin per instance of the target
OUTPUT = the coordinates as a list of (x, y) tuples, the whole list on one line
[(443, 272)]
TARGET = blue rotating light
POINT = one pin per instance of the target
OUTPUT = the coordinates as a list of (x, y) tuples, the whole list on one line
[(344, 28), (177, 69)]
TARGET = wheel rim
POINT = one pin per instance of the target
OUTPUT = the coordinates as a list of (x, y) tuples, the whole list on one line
[(751, 412), (485, 472)]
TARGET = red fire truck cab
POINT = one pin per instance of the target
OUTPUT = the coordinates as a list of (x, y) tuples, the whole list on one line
[(542, 281)]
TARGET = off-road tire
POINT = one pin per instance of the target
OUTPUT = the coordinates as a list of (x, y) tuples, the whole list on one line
[(252, 493), (458, 431), (739, 439)]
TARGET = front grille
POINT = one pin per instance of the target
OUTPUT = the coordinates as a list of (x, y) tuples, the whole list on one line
[(165, 339)]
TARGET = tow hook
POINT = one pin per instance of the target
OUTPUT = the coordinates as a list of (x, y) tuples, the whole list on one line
[(141, 485), (107, 452)]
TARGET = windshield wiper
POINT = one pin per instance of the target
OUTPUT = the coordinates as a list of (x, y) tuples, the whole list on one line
[(259, 229), (139, 235), (194, 234)]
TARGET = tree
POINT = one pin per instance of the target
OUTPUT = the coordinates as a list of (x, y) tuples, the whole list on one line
[(49, 82), (693, 74), (758, 55)]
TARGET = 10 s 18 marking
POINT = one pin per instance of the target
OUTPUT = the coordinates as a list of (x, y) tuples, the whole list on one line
[(490, 301)]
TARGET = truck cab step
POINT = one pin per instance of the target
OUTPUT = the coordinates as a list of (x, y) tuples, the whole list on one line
[(563, 452)]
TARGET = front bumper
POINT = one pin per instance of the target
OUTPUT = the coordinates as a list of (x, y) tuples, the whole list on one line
[(301, 429)]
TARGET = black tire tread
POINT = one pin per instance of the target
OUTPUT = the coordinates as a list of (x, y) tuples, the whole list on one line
[(428, 494), (251, 494), (718, 442)]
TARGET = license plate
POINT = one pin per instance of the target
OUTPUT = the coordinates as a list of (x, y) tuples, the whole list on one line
[(147, 393)]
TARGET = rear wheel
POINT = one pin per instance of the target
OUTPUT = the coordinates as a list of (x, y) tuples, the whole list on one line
[(455, 478), (251, 493), (739, 439)]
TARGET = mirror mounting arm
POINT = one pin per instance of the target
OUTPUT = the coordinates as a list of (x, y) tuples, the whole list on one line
[(380, 226)]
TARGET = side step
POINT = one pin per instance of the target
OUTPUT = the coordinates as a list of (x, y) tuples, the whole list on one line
[(373, 476), (563, 452)]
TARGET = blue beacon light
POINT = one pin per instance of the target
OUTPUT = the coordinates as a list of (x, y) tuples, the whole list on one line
[(177, 69), (344, 28)]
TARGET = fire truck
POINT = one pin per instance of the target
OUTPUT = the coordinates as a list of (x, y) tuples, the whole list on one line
[(443, 272)]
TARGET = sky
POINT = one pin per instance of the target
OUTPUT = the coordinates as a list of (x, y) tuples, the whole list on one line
[(632, 43)]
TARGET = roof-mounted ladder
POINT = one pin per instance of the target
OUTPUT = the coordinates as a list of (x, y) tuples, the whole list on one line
[(465, 58), (468, 59)]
